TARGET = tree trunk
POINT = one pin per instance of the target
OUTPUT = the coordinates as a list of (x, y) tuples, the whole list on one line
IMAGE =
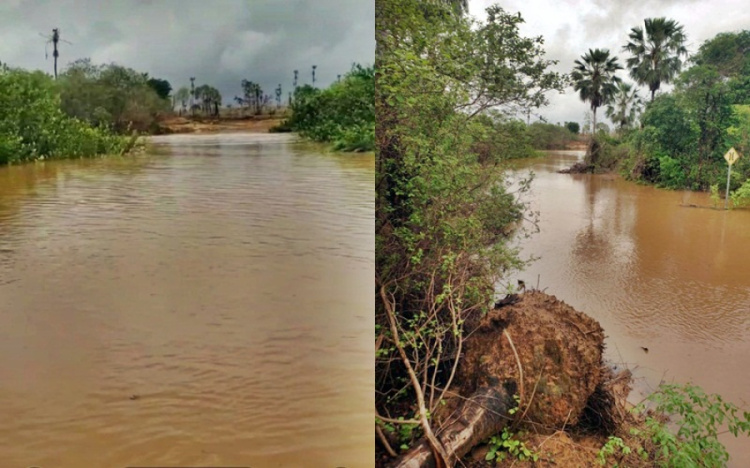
[(593, 132), (479, 417)]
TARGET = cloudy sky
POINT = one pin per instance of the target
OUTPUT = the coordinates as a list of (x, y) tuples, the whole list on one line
[(571, 27), (220, 42)]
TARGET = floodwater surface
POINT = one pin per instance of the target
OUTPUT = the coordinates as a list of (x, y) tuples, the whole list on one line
[(210, 304), (656, 273)]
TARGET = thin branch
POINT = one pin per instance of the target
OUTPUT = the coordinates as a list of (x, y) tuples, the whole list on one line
[(441, 457)]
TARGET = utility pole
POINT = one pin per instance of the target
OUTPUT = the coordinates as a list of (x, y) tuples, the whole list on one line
[(55, 40), (55, 53)]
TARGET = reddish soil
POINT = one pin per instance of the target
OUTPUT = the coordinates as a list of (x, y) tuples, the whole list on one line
[(570, 401), (184, 125)]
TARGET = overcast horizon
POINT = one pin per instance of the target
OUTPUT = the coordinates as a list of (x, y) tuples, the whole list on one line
[(219, 42), (571, 27)]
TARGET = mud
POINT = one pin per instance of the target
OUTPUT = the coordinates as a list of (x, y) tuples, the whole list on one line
[(569, 401), (559, 348), (249, 125)]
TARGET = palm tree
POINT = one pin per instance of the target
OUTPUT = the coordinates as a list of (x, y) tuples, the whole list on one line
[(656, 52), (594, 78), (624, 107)]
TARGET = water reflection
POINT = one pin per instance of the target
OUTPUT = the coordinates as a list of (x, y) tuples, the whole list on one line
[(655, 273)]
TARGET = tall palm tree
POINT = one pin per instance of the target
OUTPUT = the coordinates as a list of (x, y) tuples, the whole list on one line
[(656, 52), (624, 106), (594, 78)]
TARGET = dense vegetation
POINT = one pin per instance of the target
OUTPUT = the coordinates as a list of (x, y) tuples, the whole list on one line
[(443, 212), (112, 96), (678, 139), (342, 114), (34, 126)]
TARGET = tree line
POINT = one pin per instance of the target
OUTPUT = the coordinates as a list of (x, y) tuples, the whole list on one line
[(675, 139)]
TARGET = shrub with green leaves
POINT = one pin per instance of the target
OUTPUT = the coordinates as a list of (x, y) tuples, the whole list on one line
[(696, 420), (342, 114), (33, 127)]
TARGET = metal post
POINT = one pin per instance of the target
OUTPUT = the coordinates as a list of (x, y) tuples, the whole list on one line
[(726, 197)]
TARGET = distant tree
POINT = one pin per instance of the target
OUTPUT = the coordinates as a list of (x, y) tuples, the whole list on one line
[(210, 99), (109, 95), (656, 52), (182, 96), (162, 87), (573, 127), (624, 106), (594, 78), (313, 74), (253, 95)]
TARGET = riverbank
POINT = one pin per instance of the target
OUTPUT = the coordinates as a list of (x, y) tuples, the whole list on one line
[(554, 399), (204, 125)]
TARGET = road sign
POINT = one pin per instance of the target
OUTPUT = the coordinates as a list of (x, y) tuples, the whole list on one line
[(732, 156)]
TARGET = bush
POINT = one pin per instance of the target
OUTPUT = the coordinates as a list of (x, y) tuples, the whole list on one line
[(33, 127), (110, 96), (549, 137), (343, 114)]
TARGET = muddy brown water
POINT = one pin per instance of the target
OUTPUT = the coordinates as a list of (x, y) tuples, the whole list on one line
[(673, 279), (207, 304)]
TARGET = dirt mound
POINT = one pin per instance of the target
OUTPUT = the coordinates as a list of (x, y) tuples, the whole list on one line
[(559, 350), (533, 364)]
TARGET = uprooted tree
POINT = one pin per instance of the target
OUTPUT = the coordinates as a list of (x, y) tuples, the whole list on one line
[(443, 217)]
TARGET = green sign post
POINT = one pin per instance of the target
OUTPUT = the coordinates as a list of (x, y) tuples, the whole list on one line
[(732, 156)]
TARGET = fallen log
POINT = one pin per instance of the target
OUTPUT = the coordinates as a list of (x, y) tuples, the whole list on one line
[(476, 419)]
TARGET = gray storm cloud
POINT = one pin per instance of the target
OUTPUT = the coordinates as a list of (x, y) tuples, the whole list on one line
[(571, 27), (220, 42)]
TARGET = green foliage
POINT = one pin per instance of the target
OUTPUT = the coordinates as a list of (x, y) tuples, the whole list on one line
[(741, 196), (161, 87), (342, 114), (506, 444), (547, 136), (32, 126), (110, 96), (685, 133), (497, 139), (210, 99), (612, 447), (656, 52), (624, 107), (594, 78), (728, 52), (444, 214), (698, 419), (573, 127)]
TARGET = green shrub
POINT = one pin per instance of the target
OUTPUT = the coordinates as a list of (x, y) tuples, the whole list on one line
[(33, 127), (342, 114)]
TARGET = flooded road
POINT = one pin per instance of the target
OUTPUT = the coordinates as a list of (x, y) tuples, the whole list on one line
[(673, 279), (208, 304)]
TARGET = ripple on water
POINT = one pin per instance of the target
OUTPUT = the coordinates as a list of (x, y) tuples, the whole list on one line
[(219, 285)]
